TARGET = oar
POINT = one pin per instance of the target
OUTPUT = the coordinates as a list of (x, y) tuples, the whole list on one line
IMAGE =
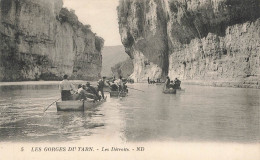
[(51, 104), (136, 89)]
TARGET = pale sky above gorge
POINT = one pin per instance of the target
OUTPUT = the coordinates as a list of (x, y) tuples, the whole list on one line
[(101, 15)]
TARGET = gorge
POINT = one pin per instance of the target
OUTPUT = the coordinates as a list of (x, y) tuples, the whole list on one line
[(214, 42)]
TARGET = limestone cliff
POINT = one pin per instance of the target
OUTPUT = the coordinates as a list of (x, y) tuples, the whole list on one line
[(216, 40), (42, 40), (124, 68)]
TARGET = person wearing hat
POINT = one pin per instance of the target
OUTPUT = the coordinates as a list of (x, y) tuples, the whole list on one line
[(101, 84), (65, 87)]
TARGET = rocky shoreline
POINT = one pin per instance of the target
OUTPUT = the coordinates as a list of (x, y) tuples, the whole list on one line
[(232, 84)]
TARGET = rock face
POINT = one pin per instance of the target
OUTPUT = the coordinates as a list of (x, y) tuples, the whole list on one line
[(124, 69), (42, 40), (216, 40)]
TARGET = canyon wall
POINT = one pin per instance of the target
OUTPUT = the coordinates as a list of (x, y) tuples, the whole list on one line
[(41, 40), (124, 68), (194, 40)]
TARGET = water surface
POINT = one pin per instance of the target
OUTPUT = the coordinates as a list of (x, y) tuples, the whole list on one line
[(200, 114)]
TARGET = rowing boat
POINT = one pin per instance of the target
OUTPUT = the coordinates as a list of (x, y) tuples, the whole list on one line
[(117, 94), (180, 90), (169, 91), (77, 105)]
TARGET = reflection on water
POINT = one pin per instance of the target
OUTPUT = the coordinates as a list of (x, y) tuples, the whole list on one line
[(198, 114)]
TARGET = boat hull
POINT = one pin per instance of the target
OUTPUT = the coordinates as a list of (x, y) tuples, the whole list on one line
[(180, 90), (169, 91), (106, 89), (117, 94), (76, 105)]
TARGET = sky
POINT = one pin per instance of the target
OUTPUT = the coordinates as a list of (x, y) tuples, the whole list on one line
[(101, 15)]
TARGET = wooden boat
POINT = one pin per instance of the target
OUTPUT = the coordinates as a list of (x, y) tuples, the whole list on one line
[(118, 94), (106, 89), (180, 90), (169, 91), (77, 105)]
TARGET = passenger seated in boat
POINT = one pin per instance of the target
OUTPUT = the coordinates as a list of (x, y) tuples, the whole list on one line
[(177, 83), (172, 85), (79, 88), (81, 93), (113, 87), (90, 96), (125, 88), (92, 92), (167, 82), (76, 94), (121, 85)]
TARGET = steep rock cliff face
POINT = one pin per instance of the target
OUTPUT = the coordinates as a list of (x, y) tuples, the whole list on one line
[(40, 39), (192, 39), (142, 27), (124, 69)]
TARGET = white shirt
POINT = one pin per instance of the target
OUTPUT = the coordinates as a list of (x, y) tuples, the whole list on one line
[(66, 85), (79, 90), (119, 82)]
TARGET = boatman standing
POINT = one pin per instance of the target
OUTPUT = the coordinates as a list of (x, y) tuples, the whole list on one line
[(101, 84), (65, 87)]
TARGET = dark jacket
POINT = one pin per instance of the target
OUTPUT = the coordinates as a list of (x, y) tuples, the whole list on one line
[(101, 84), (167, 83)]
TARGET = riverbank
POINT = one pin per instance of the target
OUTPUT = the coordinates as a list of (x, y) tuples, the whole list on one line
[(233, 84), (39, 83), (222, 83)]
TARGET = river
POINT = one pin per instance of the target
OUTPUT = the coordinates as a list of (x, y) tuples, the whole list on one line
[(198, 114)]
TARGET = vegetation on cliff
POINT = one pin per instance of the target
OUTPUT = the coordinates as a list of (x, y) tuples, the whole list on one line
[(42, 40)]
